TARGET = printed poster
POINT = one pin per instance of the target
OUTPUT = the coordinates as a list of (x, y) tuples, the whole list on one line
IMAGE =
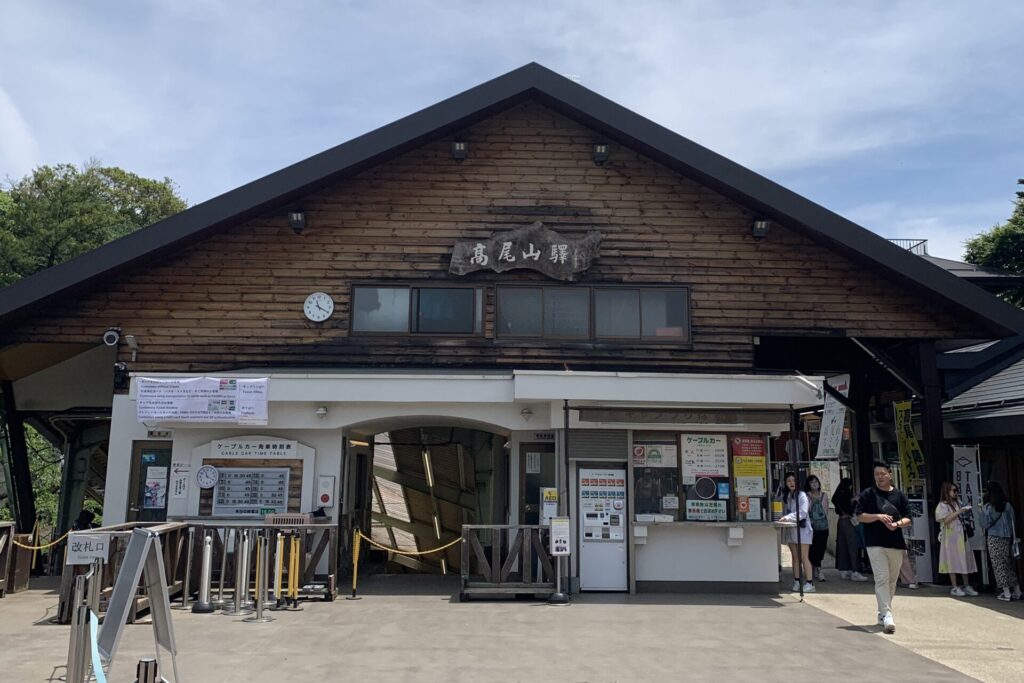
[(180, 474), (202, 399), (706, 510), (749, 472), (911, 455), (704, 455), (655, 455), (155, 495), (967, 477), (830, 440)]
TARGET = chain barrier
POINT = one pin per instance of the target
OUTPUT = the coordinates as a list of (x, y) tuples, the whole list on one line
[(356, 545)]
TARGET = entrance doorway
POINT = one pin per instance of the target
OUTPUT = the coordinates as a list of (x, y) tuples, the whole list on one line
[(537, 470), (151, 467)]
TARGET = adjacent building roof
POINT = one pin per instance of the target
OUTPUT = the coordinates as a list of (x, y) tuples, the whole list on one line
[(989, 278), (530, 82), (1001, 391)]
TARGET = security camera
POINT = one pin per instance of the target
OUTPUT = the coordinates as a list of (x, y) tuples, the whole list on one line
[(112, 336)]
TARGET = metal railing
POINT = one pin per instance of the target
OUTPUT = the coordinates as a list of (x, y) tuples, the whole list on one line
[(516, 562), (914, 246)]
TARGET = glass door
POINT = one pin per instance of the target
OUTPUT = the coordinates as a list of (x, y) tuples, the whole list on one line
[(151, 466)]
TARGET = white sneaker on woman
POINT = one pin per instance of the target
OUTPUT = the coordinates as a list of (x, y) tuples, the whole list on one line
[(1004, 596), (808, 587), (796, 587), (857, 576), (970, 591), (957, 592)]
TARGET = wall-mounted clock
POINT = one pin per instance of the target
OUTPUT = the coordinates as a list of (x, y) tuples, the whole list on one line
[(207, 476), (318, 307)]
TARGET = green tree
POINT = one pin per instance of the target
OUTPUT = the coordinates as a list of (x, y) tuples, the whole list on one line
[(1002, 247), (50, 216), (58, 212)]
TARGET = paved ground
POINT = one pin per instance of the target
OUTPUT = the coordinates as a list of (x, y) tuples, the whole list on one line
[(403, 632)]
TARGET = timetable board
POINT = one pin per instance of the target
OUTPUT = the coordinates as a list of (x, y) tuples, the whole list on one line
[(251, 491)]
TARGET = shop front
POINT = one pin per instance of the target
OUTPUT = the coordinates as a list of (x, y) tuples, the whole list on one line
[(523, 301)]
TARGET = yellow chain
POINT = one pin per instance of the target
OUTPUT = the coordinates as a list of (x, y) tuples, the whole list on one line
[(408, 552), (44, 546)]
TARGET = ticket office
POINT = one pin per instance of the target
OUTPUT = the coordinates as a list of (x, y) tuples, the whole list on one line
[(701, 512)]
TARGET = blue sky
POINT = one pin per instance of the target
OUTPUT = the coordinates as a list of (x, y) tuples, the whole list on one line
[(907, 117)]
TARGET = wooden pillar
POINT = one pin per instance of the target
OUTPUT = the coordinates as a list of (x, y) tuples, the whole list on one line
[(21, 484), (937, 454)]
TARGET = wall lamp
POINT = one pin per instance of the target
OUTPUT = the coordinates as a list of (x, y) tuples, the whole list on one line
[(526, 413), (760, 229), (460, 150), (321, 412), (600, 153), (133, 344), (297, 219)]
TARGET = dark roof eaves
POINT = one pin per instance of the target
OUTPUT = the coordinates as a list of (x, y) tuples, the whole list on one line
[(725, 176)]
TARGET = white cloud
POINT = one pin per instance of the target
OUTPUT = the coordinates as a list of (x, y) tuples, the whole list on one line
[(18, 148)]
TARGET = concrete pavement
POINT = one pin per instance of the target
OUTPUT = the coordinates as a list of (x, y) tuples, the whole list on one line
[(412, 628)]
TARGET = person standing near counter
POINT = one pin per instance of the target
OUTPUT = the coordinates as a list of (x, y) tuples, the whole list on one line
[(800, 536), (847, 540), (884, 511), (819, 524)]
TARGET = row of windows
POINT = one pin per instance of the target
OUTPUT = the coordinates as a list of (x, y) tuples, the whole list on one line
[(571, 313)]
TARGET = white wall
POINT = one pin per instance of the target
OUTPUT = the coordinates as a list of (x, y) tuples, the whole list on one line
[(124, 429), (684, 552)]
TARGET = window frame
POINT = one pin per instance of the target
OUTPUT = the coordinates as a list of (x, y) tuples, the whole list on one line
[(684, 341), (479, 309)]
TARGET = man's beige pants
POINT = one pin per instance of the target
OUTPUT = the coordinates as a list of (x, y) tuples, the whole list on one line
[(885, 565)]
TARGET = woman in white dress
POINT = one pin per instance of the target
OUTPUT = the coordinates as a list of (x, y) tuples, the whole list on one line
[(955, 555), (798, 537)]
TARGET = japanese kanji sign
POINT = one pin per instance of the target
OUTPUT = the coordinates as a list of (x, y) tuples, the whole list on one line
[(533, 247), (202, 399), (84, 548)]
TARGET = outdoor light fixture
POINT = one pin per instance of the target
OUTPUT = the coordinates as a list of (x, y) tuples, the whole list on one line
[(297, 219), (460, 150), (133, 344), (321, 412), (526, 413), (354, 442), (760, 229), (600, 153)]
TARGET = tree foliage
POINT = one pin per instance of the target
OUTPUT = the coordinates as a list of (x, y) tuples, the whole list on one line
[(1002, 247), (58, 212)]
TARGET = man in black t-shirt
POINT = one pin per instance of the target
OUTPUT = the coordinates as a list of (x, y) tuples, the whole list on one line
[(884, 511)]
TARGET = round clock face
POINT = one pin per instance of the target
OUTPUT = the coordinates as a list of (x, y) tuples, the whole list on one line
[(207, 477), (318, 307)]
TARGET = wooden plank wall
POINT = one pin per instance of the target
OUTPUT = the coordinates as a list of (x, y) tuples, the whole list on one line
[(235, 300)]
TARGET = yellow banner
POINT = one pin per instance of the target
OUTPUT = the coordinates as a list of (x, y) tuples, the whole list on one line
[(911, 456)]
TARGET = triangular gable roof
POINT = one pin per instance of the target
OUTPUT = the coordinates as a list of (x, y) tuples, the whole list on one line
[(535, 82)]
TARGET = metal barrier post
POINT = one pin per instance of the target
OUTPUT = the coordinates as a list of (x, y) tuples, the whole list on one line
[(263, 555), (355, 564), (294, 568), (241, 577), (203, 605), (146, 671), (186, 586), (278, 571), (228, 537), (247, 554), (74, 673)]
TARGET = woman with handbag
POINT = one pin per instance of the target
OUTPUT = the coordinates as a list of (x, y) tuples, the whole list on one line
[(955, 557), (819, 524), (798, 538), (998, 519)]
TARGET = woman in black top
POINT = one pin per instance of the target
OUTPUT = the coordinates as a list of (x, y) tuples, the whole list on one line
[(847, 544)]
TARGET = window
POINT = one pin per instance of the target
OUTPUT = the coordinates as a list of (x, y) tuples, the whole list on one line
[(604, 313), (419, 310)]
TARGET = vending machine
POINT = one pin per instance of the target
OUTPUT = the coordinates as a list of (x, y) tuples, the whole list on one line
[(602, 528)]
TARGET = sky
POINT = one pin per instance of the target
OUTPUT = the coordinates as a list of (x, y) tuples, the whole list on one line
[(905, 117)]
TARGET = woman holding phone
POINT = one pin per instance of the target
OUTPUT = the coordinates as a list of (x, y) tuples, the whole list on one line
[(955, 557)]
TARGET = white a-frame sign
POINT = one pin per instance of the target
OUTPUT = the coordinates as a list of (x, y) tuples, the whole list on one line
[(143, 559)]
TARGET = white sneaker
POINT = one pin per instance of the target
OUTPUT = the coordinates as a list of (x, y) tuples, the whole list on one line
[(957, 592), (796, 587), (970, 591), (912, 586), (820, 575), (888, 625), (1004, 596), (844, 574), (857, 576), (808, 587)]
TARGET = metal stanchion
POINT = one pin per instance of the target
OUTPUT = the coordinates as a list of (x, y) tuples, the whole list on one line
[(203, 605), (241, 578), (75, 672), (263, 555), (146, 671), (228, 537), (558, 597), (279, 602), (187, 585), (247, 556), (293, 574), (355, 565)]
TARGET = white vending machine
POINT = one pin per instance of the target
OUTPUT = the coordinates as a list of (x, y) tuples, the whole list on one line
[(602, 528)]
